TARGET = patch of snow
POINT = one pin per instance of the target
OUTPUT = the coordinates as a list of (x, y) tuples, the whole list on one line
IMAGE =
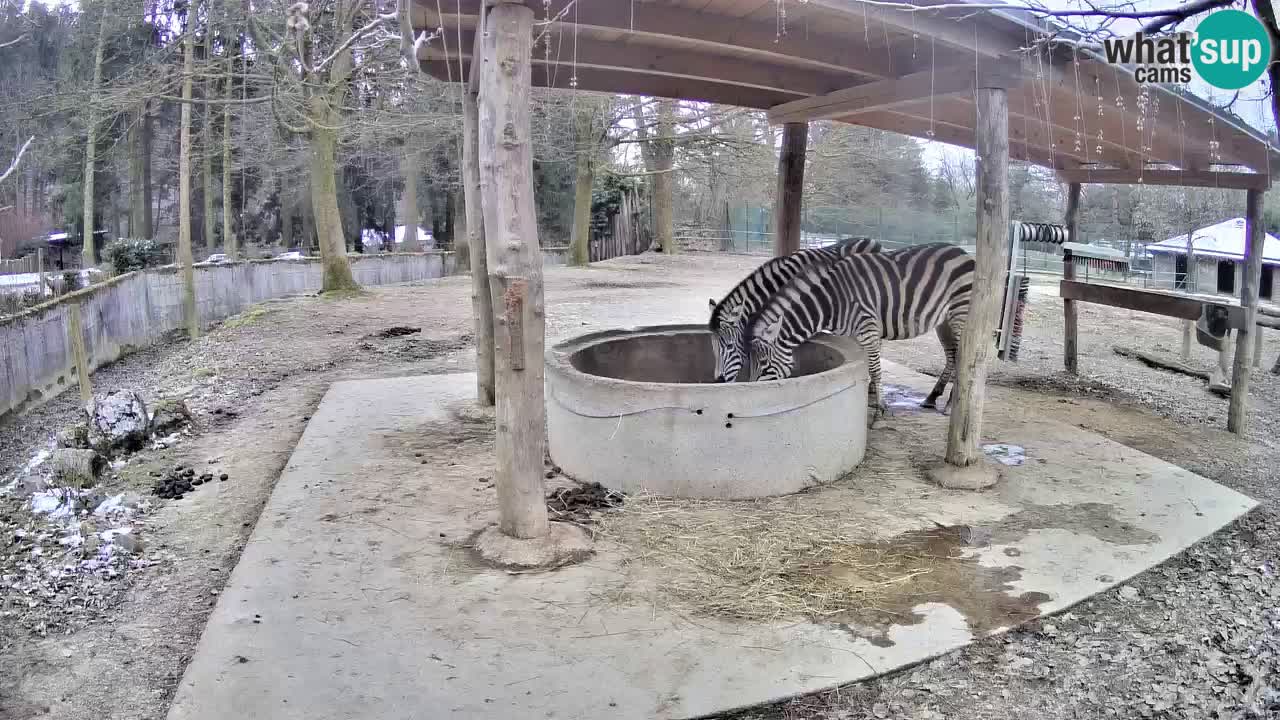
[(109, 535), (1006, 454), (57, 503)]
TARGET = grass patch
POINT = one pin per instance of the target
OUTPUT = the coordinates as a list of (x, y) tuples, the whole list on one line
[(248, 317)]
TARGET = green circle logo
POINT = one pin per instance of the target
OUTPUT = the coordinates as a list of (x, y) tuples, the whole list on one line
[(1232, 49)]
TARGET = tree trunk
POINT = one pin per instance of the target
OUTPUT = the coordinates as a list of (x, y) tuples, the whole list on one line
[(790, 194), (409, 215), (229, 244), (136, 207), (206, 163), (324, 204), (148, 217), (184, 193), (91, 145), (481, 301), (663, 182), (974, 354), (1238, 408), (515, 268), (584, 179), (287, 214)]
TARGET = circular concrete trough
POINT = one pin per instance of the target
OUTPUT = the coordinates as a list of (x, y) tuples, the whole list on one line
[(637, 410)]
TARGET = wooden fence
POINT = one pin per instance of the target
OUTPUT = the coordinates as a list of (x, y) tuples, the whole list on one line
[(626, 233), (19, 266)]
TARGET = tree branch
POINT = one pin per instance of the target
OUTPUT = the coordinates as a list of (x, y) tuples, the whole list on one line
[(17, 159)]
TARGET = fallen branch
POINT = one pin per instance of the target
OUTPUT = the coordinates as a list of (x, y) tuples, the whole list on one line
[(1158, 362)]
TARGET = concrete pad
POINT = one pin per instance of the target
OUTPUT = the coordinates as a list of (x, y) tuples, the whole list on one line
[(356, 598)]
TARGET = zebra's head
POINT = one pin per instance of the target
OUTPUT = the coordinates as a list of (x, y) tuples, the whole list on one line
[(769, 359), (726, 342)]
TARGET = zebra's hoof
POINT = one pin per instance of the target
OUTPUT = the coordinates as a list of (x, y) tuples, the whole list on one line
[(929, 404)]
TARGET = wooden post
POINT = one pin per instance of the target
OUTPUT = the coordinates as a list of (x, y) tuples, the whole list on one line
[(790, 196), (40, 269), (514, 267), (1238, 411), (1070, 359), (992, 177), (1257, 346), (481, 301), (75, 336)]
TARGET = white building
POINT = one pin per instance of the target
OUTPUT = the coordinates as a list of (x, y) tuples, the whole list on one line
[(1219, 260)]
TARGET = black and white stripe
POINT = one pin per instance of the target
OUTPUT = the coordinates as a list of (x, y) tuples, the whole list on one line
[(730, 316), (870, 297)]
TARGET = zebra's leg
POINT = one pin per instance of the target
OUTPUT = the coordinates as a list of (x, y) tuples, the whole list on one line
[(950, 341), (955, 325), (869, 339)]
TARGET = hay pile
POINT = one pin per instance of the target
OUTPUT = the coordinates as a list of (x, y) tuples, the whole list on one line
[(762, 561)]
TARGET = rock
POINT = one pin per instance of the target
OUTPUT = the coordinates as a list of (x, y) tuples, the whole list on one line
[(29, 485), (118, 422), (1128, 593), (169, 415), (74, 436), (77, 468), (127, 542)]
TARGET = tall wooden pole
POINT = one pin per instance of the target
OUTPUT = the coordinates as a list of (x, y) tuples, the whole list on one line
[(481, 302), (789, 200), (1070, 358), (1238, 411), (185, 260), (514, 267), (989, 276)]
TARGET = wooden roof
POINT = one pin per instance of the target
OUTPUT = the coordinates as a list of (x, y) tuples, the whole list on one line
[(905, 72)]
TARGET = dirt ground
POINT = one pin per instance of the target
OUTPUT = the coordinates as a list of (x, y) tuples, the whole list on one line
[(1197, 637)]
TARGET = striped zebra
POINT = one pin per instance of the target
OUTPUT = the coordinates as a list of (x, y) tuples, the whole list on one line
[(872, 297), (730, 316)]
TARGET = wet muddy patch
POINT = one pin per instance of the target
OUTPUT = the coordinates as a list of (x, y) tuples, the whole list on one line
[(469, 430)]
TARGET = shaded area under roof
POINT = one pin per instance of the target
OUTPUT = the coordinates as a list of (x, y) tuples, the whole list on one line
[(1067, 110)]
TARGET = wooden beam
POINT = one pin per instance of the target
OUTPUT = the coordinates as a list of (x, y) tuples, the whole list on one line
[(1151, 301), (514, 267), (1070, 327), (693, 64), (629, 83), (1186, 119), (974, 353), (1021, 145), (689, 28), (1238, 412), (963, 30), (790, 196), (876, 96), (1177, 178)]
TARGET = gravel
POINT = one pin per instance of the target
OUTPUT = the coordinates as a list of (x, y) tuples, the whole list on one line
[(1197, 637)]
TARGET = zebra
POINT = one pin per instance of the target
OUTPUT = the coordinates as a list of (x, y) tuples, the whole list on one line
[(871, 297), (730, 316)]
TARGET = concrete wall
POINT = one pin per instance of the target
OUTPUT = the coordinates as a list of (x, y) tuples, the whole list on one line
[(137, 309)]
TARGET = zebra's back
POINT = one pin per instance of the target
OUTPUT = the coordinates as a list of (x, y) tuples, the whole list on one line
[(757, 288), (908, 292)]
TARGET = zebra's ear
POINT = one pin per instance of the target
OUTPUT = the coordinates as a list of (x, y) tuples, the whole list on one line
[(713, 303)]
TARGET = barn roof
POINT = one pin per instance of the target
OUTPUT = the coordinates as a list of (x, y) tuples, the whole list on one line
[(910, 72), (1224, 240)]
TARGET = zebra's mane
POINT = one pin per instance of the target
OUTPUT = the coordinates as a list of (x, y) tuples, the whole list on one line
[(737, 295)]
